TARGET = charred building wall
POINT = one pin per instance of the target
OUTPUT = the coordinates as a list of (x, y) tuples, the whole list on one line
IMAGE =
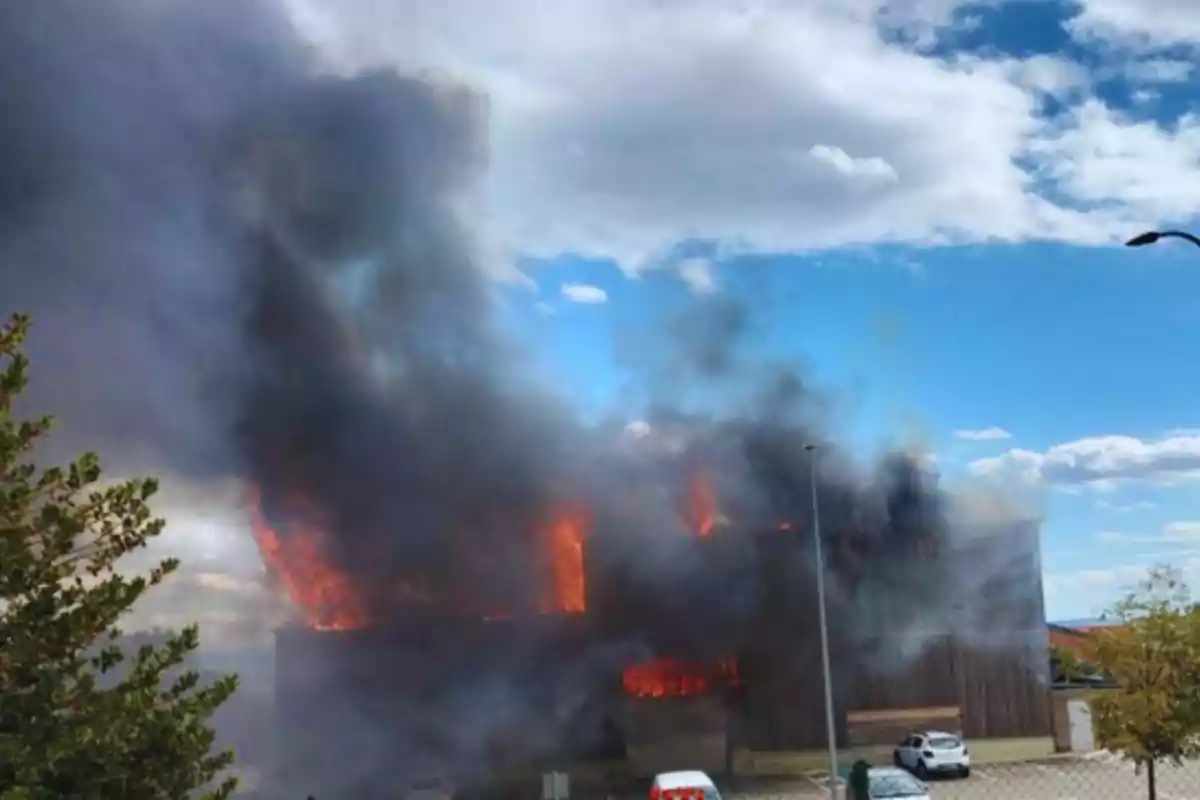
[(548, 689), (987, 659), (361, 710), (993, 665)]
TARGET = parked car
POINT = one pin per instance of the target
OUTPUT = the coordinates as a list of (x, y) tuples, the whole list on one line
[(894, 782), (933, 752), (685, 785)]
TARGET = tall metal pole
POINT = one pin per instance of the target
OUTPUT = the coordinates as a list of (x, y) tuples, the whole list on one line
[(830, 729)]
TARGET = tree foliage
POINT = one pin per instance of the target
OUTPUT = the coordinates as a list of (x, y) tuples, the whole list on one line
[(1152, 657), (66, 732), (1067, 665)]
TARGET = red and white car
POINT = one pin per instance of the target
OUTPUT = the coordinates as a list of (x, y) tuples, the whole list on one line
[(683, 785)]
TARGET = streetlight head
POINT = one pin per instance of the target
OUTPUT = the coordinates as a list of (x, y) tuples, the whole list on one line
[(1143, 239)]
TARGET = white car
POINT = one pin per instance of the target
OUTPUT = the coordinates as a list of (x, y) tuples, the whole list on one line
[(895, 782), (933, 752), (684, 785)]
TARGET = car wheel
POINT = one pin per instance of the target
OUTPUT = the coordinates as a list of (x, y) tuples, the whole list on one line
[(922, 772), (896, 760), (966, 772)]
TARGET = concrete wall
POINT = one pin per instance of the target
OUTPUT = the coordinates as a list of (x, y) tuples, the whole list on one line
[(1062, 724)]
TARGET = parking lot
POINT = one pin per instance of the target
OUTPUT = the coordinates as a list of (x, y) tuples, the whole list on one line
[(1101, 778)]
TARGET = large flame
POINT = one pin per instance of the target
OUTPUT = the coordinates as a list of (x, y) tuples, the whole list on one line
[(562, 541), (702, 511), (329, 599), (668, 677), (322, 593)]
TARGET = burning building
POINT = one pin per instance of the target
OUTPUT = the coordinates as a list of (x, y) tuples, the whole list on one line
[(601, 673), (284, 251)]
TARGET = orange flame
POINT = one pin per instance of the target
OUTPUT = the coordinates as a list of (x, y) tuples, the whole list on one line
[(702, 505), (667, 677), (329, 599), (563, 540), (319, 590)]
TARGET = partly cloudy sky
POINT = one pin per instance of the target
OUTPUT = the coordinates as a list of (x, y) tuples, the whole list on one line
[(926, 198)]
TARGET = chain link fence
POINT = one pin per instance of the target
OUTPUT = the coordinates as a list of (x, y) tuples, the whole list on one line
[(1099, 777)]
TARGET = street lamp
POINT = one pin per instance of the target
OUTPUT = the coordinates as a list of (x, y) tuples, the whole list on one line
[(1150, 237), (830, 730)]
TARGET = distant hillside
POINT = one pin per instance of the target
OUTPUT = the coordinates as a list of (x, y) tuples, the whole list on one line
[(1084, 624)]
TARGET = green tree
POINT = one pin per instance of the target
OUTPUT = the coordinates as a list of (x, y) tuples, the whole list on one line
[(1068, 666), (63, 735), (1152, 656)]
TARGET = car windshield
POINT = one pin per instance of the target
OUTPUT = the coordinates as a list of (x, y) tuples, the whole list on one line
[(944, 742), (896, 784)]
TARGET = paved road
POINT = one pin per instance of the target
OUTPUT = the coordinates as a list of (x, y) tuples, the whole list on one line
[(1083, 779)]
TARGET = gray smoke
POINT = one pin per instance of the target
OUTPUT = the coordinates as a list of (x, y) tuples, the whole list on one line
[(239, 264), (111, 124)]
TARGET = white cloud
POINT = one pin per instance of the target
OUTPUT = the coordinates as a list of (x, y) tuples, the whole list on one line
[(225, 582), (1088, 592), (983, 434), (1171, 533), (584, 293), (1100, 462), (231, 607), (1074, 594), (869, 168), (1160, 70), (1139, 24), (1124, 508), (1182, 432), (699, 275), (1049, 75), (1100, 157), (221, 582), (620, 128), (638, 429), (1145, 96)]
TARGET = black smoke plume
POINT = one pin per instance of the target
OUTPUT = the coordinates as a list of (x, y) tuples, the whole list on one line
[(240, 263)]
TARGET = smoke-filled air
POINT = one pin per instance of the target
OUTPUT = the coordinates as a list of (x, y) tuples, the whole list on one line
[(241, 263)]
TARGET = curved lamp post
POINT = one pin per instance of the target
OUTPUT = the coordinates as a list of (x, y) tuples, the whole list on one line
[(1150, 237)]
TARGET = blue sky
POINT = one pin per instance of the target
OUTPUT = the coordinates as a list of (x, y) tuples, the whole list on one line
[(992, 318)]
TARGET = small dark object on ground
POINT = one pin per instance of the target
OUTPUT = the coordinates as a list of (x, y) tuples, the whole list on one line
[(858, 785)]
